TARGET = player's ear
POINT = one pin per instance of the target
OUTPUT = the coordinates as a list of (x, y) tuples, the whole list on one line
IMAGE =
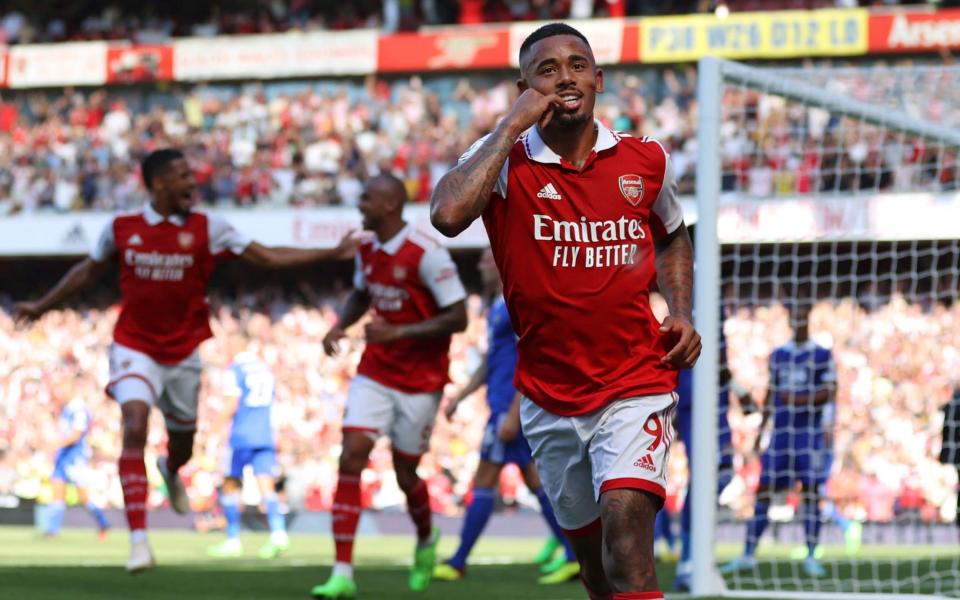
[(599, 80), (522, 85)]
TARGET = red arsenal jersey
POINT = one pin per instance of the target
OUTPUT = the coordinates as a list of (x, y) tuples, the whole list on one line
[(409, 279), (575, 249), (165, 265)]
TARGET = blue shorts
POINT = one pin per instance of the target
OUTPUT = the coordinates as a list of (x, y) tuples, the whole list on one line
[(263, 460), (782, 467), (70, 468), (724, 442), (493, 450)]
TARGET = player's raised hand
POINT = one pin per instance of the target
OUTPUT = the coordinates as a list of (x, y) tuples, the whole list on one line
[(24, 312), (687, 348), (450, 408), (379, 331), (331, 342), (347, 246), (533, 107)]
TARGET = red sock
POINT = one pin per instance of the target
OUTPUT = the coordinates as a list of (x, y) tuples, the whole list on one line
[(133, 480), (346, 515), (638, 596), (418, 504), (592, 595)]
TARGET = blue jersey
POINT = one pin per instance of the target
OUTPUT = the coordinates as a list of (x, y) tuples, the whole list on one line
[(74, 417), (501, 358), (799, 370), (251, 380), (685, 382)]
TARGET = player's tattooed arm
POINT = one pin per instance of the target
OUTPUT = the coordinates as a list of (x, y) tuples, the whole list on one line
[(80, 276), (674, 259), (462, 194), (675, 271)]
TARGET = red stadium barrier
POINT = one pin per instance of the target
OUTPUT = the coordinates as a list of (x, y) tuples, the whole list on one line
[(453, 49), (616, 41), (914, 31)]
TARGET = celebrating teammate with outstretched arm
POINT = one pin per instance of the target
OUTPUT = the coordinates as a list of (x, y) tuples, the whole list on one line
[(582, 221), (166, 253)]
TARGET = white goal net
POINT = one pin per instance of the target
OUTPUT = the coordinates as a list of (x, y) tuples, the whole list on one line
[(827, 235)]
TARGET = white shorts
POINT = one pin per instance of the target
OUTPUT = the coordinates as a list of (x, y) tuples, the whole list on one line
[(407, 419), (625, 444), (174, 389)]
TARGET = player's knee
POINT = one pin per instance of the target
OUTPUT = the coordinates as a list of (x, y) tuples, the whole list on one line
[(230, 485), (134, 434), (406, 476), (352, 461)]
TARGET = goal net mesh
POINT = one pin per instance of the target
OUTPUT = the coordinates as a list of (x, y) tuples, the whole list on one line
[(838, 204)]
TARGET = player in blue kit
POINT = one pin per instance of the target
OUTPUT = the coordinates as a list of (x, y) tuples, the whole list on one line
[(803, 384), (249, 394), (71, 465), (684, 424), (503, 442)]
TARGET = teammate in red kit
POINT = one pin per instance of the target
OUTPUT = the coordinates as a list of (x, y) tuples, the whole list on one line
[(166, 253), (411, 283), (582, 221)]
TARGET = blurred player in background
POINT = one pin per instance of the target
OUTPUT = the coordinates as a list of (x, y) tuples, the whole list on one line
[(503, 442), (411, 284), (248, 396), (950, 442), (803, 382), (71, 465), (166, 253), (684, 422), (582, 220)]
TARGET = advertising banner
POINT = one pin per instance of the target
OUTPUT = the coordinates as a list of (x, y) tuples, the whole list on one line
[(605, 36), (56, 65), (275, 55), (485, 48), (129, 64), (782, 34), (915, 31)]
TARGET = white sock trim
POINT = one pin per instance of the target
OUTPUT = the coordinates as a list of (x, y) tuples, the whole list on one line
[(138, 536), (343, 569)]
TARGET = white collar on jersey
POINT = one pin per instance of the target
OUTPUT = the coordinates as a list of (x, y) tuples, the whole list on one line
[(392, 246), (152, 217), (538, 150)]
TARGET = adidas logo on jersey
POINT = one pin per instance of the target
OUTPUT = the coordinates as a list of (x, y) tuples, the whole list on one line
[(135, 240), (645, 462), (549, 192)]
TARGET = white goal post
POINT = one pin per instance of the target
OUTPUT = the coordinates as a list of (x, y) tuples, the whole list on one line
[(882, 149)]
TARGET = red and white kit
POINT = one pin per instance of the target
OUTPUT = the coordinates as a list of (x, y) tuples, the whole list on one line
[(399, 384), (165, 266), (575, 249)]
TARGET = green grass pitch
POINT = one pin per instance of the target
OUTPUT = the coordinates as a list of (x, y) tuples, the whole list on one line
[(76, 567)]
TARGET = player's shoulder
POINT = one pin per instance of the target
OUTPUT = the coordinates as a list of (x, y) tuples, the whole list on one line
[(644, 144), (126, 217), (783, 351), (822, 352), (423, 240), (200, 215)]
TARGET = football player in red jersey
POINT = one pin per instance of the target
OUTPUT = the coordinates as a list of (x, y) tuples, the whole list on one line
[(411, 284), (166, 254), (583, 221)]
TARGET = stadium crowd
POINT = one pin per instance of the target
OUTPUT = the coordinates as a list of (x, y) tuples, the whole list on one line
[(127, 20), (894, 360), (311, 143)]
